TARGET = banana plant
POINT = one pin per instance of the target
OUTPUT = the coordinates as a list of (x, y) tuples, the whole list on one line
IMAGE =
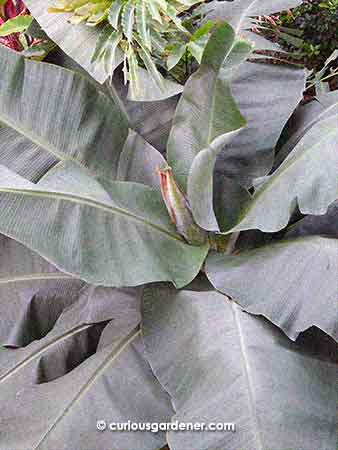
[(157, 287)]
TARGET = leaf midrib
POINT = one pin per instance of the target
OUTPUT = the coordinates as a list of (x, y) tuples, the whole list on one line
[(113, 355), (248, 379), (40, 351), (92, 203), (40, 142), (36, 277), (48, 147)]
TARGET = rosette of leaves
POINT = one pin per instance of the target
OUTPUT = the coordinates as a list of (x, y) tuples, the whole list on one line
[(154, 35), (111, 309)]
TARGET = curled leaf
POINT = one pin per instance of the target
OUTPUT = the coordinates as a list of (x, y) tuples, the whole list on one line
[(179, 209)]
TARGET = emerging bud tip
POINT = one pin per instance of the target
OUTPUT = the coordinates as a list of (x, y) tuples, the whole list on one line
[(179, 209)]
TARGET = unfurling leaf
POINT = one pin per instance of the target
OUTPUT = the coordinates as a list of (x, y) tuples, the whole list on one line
[(179, 209)]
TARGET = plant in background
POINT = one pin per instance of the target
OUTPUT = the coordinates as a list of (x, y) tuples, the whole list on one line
[(309, 33), (331, 5), (15, 30), (14, 20), (133, 283), (153, 34)]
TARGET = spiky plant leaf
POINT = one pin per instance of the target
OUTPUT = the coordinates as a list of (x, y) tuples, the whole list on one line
[(133, 72), (141, 19), (101, 43), (189, 3), (114, 13), (220, 364), (163, 4), (157, 41), (128, 19), (154, 10), (142, 24), (150, 66), (111, 56)]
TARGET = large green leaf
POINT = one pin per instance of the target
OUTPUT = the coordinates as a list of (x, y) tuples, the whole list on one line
[(206, 111), (120, 237), (307, 178), (222, 365), (292, 282), (58, 388), (265, 93), (49, 114), (77, 41), (77, 359), (56, 392)]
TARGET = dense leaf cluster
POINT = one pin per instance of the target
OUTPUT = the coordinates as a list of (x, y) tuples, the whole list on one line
[(309, 34), (318, 22), (153, 34)]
